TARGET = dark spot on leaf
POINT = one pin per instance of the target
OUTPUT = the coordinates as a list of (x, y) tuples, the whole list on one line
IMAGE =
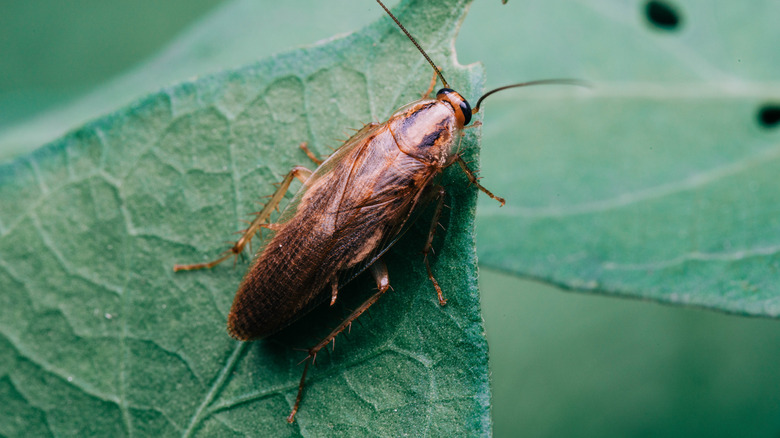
[(769, 115), (662, 15)]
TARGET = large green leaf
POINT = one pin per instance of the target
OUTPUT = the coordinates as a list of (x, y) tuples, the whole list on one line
[(100, 337), (661, 181), (611, 44)]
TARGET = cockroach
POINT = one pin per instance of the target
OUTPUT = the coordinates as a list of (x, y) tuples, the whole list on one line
[(349, 212)]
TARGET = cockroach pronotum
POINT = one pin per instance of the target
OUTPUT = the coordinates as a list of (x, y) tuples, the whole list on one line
[(364, 195)]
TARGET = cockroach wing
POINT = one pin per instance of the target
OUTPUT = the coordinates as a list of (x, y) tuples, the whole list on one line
[(334, 160), (352, 205), (415, 211)]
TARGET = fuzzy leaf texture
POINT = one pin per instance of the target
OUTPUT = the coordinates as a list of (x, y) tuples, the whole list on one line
[(99, 337)]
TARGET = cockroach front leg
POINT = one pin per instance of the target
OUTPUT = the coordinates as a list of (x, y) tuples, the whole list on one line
[(379, 272), (431, 86), (439, 193), (474, 180), (299, 172)]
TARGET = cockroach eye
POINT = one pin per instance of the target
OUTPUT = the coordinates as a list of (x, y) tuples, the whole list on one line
[(458, 103), (465, 108)]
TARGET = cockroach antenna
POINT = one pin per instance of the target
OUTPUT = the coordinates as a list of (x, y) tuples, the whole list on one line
[(576, 82), (416, 44), (479, 102)]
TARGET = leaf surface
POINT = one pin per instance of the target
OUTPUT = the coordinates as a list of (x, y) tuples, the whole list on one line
[(660, 182), (99, 337)]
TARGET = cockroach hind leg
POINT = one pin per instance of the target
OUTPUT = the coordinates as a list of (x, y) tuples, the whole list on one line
[(291, 417), (439, 194), (379, 272), (474, 180), (439, 292), (299, 172), (334, 287)]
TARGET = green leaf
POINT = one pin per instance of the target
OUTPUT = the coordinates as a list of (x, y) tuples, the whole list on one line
[(237, 33), (661, 181), (99, 337)]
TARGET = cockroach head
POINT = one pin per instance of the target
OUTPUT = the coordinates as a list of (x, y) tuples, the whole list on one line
[(458, 103)]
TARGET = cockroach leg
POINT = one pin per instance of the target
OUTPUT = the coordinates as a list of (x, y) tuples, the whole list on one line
[(473, 179), (379, 272), (291, 417), (439, 193), (473, 125), (305, 147), (299, 172), (334, 286), (431, 86)]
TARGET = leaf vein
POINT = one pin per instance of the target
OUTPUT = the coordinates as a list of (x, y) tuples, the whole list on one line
[(695, 256), (692, 182)]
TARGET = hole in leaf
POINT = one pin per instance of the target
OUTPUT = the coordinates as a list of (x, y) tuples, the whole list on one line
[(662, 15), (769, 116)]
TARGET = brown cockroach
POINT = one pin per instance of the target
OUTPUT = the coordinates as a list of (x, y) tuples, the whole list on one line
[(348, 213)]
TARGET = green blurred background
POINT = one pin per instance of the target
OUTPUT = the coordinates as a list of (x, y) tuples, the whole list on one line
[(563, 364)]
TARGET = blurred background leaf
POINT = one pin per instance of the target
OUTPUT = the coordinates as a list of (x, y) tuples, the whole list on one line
[(668, 191), (567, 364)]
